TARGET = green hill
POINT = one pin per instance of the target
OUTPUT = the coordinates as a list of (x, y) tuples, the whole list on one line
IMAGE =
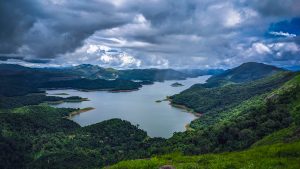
[(244, 73), (41, 137), (206, 100)]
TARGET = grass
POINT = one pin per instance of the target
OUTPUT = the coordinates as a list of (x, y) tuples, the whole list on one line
[(277, 137), (277, 156)]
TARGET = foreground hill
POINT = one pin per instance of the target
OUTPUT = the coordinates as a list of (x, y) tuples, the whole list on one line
[(41, 137), (281, 156)]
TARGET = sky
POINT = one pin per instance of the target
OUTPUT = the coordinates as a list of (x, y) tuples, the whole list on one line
[(152, 33)]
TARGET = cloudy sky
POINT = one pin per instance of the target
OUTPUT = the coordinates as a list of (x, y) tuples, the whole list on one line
[(150, 33)]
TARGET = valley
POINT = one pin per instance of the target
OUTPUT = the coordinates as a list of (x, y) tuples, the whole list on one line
[(138, 107)]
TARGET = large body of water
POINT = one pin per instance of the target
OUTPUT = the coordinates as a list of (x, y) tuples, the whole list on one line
[(138, 107)]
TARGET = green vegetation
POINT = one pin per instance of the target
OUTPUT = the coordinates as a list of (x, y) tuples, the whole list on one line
[(281, 156), (98, 84), (269, 122), (18, 80), (207, 100), (81, 111), (34, 99), (239, 127), (40, 137), (61, 94), (152, 74), (289, 134), (91, 72)]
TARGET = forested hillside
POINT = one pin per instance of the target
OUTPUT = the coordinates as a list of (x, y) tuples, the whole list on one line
[(204, 99), (41, 137), (265, 126)]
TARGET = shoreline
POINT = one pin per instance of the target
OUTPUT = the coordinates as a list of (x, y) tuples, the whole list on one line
[(77, 112), (188, 110), (183, 107), (67, 101), (121, 91), (95, 90), (188, 127)]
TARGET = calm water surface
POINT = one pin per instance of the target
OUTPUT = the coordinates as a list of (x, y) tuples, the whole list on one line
[(138, 107)]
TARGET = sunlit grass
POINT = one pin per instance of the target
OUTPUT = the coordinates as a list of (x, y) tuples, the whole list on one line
[(278, 156)]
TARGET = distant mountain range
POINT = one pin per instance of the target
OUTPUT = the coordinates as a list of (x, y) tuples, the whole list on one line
[(20, 80), (152, 74)]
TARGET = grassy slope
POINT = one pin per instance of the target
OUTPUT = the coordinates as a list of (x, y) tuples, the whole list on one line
[(280, 156), (293, 131)]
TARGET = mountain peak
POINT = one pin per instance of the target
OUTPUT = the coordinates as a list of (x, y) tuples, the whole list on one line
[(256, 64), (87, 66), (244, 73)]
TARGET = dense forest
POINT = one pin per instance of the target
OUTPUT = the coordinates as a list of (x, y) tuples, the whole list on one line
[(41, 137), (207, 100), (250, 123)]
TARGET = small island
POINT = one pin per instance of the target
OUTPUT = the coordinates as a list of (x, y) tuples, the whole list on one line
[(176, 84), (72, 99), (80, 111), (158, 101), (60, 94)]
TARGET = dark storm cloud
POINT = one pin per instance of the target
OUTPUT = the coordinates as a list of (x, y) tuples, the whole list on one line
[(16, 18), (48, 28), (159, 33), (277, 8)]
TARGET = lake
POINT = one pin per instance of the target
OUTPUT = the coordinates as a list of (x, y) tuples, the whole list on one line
[(138, 107)]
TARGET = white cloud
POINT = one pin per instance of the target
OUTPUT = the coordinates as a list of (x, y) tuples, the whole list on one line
[(286, 46), (127, 60), (96, 48), (261, 48), (233, 18), (286, 34), (106, 58)]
